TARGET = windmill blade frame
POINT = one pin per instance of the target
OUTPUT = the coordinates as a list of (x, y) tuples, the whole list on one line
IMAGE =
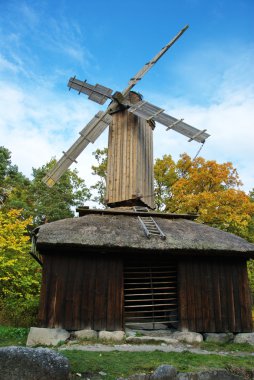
[(98, 93), (148, 111), (134, 80), (89, 134)]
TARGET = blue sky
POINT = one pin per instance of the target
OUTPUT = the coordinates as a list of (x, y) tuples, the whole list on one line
[(207, 77)]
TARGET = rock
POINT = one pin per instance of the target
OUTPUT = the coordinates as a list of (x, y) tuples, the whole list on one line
[(188, 337), (150, 340), (23, 363), (219, 338), (164, 372), (46, 337), (115, 336), (244, 338), (85, 334), (220, 374)]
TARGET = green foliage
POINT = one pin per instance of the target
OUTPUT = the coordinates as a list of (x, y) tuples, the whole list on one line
[(11, 336), (250, 266), (100, 170), (13, 184), (34, 198), (58, 202), (17, 311)]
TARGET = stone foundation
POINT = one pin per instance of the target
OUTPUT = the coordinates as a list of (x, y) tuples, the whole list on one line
[(53, 337)]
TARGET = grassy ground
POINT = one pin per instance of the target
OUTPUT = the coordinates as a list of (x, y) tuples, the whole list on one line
[(121, 364)]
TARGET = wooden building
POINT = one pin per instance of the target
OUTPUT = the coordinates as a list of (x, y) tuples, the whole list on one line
[(101, 272)]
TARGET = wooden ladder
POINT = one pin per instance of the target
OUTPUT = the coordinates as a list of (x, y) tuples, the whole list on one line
[(149, 225)]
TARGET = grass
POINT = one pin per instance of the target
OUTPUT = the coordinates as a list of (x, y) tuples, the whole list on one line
[(122, 364)]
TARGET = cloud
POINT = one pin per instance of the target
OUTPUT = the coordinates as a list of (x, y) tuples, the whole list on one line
[(228, 118)]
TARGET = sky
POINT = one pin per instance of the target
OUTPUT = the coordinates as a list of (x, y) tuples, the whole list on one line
[(207, 77)]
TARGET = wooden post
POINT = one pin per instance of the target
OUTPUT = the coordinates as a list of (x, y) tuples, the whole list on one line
[(130, 160)]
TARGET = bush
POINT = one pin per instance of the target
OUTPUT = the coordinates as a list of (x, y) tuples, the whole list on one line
[(19, 312)]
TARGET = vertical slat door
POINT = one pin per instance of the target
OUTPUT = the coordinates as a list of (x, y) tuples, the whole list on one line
[(150, 293)]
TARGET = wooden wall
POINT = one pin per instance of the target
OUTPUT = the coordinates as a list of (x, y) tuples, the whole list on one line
[(82, 292), (214, 295), (86, 291), (130, 160)]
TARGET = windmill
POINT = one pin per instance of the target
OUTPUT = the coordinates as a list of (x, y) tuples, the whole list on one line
[(131, 121)]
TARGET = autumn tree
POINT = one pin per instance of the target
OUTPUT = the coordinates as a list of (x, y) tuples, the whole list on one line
[(206, 188), (20, 275)]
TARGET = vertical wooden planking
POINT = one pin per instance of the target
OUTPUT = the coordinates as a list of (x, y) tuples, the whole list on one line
[(217, 298), (191, 285), (197, 296), (235, 283), (182, 295), (44, 294), (115, 295), (130, 164)]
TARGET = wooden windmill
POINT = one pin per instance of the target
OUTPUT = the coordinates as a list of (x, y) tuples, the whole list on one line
[(131, 121)]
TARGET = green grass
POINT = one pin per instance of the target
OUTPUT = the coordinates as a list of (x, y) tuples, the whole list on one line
[(13, 336), (122, 364)]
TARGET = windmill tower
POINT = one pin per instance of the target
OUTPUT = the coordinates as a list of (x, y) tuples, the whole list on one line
[(130, 149)]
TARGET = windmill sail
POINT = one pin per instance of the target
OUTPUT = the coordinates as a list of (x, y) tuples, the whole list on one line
[(120, 102), (88, 134), (151, 63), (148, 111), (97, 93)]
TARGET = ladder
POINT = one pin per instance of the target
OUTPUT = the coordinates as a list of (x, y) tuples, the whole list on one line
[(149, 225)]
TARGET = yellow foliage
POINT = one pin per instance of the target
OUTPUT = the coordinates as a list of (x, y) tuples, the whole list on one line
[(19, 273), (206, 188)]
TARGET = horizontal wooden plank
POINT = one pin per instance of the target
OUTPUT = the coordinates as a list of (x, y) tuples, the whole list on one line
[(154, 306)]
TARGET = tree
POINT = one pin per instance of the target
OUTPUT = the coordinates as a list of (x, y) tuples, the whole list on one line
[(58, 202), (206, 188), (13, 184), (33, 197), (100, 170), (20, 275)]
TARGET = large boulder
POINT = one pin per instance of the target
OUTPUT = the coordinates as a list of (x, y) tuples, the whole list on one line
[(244, 338), (115, 336), (46, 337), (219, 338), (164, 372), (23, 363), (188, 337), (85, 334)]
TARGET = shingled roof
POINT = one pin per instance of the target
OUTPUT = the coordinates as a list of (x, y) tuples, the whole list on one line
[(120, 231)]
